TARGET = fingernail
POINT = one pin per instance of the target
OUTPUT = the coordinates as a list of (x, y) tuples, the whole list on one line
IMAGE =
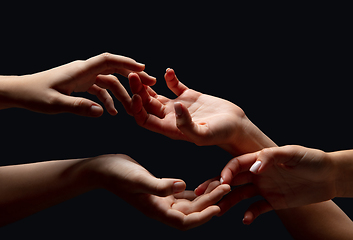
[(221, 180), (255, 167), (95, 110), (178, 187), (178, 109), (167, 69)]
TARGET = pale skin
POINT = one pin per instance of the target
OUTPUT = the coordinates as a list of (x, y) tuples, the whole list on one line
[(33, 187), (194, 116), (50, 91)]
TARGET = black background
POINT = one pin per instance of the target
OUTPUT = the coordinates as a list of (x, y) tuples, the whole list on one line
[(287, 67)]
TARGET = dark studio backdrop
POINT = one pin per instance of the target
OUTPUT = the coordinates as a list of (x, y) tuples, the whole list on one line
[(288, 70)]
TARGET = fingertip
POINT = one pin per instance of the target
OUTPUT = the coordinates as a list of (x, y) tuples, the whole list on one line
[(178, 109), (96, 111), (248, 218), (169, 74), (136, 103), (179, 186), (255, 167)]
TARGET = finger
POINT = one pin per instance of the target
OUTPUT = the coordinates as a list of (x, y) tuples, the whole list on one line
[(173, 82), (197, 133), (255, 210), (79, 106), (151, 122), (203, 186), (289, 156), (189, 195), (238, 165), (242, 178), (235, 196), (107, 63), (145, 78), (210, 198), (160, 187), (152, 105), (198, 218), (104, 97), (113, 84), (179, 220)]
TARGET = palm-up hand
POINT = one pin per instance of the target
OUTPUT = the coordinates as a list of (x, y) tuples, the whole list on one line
[(192, 116), (162, 199)]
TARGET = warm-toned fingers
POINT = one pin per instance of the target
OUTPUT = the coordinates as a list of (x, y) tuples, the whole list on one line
[(198, 134), (113, 84), (237, 195), (255, 210), (107, 63), (210, 198), (203, 186), (173, 82), (104, 97), (196, 219), (145, 78), (182, 221), (189, 195), (237, 165), (152, 105)]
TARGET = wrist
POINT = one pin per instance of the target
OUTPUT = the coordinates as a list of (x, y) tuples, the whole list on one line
[(248, 138), (342, 162), (7, 89)]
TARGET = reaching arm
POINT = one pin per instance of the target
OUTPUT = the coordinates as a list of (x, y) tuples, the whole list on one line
[(29, 188), (195, 117), (49, 91)]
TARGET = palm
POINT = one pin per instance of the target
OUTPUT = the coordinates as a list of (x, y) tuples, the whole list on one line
[(181, 211), (212, 120)]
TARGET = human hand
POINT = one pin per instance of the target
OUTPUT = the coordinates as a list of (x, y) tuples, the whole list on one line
[(287, 177), (161, 199), (192, 116), (49, 91)]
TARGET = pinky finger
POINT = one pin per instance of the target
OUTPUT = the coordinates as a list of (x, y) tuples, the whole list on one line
[(255, 210)]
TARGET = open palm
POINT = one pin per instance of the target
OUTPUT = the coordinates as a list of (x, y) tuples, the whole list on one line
[(192, 116)]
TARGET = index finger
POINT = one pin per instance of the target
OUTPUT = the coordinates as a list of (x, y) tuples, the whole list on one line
[(238, 165), (108, 63)]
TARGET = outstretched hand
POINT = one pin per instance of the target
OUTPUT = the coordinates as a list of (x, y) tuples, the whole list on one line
[(192, 116), (162, 199), (50, 91)]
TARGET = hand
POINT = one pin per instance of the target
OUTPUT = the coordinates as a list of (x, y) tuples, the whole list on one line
[(49, 91), (192, 116), (162, 199), (287, 177)]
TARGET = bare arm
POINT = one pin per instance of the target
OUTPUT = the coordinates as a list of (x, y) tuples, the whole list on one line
[(29, 188)]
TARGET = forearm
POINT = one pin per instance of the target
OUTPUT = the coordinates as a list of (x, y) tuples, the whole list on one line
[(323, 220), (27, 189), (7, 87)]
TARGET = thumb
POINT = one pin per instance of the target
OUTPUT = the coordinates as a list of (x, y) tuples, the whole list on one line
[(288, 156), (162, 187), (79, 106), (195, 132)]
